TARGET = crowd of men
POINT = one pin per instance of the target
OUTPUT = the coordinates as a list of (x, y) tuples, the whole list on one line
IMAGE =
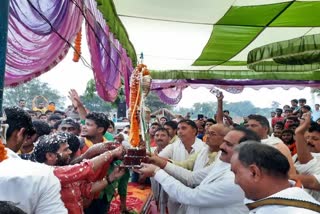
[(59, 164)]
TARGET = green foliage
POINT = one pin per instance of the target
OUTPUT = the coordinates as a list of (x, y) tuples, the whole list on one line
[(154, 102), (94, 103), (237, 109), (30, 90), (315, 91), (275, 104)]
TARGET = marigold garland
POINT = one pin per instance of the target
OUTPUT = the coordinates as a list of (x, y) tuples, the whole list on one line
[(77, 47), (135, 99), (3, 152)]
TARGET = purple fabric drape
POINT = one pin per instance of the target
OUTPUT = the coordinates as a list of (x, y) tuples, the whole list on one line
[(33, 46), (167, 90), (109, 60)]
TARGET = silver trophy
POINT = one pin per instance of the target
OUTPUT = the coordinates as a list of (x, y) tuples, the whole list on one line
[(3, 129)]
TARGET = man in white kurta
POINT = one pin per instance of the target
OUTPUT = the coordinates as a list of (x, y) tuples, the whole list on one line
[(180, 150), (217, 192), (177, 151), (262, 172), (32, 187), (292, 193), (311, 168), (307, 159)]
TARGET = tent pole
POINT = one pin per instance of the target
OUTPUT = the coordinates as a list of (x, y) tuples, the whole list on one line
[(4, 16)]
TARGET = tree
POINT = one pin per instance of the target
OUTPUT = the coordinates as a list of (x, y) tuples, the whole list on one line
[(154, 103), (28, 91), (207, 108), (93, 102), (275, 104)]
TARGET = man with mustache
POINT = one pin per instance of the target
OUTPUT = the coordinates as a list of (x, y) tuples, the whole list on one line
[(162, 139), (215, 191), (180, 150), (78, 181), (262, 172), (308, 155)]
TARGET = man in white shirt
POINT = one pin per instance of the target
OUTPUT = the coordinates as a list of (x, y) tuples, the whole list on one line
[(262, 172), (216, 191), (32, 187), (308, 155), (180, 150), (187, 145), (197, 161), (260, 125)]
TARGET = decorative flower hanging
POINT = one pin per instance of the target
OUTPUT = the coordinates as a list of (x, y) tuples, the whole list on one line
[(138, 87), (3, 152), (77, 47)]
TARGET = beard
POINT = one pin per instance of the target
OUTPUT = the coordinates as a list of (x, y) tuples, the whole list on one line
[(62, 161)]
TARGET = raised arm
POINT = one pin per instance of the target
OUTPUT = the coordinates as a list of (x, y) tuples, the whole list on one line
[(304, 155), (219, 118), (77, 104)]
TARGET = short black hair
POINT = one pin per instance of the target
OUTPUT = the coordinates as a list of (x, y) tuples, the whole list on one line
[(155, 124), (302, 100), (287, 131), (261, 119), (306, 107), (17, 119), (42, 115), (161, 129), (47, 144), (226, 111), (41, 127), (59, 112), (100, 119), (295, 101), (280, 123), (73, 141), (111, 123), (54, 117), (211, 120), (172, 124), (57, 124), (248, 134), (266, 157), (7, 207), (190, 123), (314, 127)]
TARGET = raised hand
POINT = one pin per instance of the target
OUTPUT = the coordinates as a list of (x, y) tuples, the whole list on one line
[(74, 97), (305, 122)]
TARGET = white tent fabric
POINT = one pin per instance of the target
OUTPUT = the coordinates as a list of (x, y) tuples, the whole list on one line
[(172, 34)]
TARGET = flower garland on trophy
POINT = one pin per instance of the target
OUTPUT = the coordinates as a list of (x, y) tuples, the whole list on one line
[(140, 84)]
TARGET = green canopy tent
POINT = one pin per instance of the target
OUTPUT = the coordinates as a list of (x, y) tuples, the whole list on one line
[(179, 37)]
